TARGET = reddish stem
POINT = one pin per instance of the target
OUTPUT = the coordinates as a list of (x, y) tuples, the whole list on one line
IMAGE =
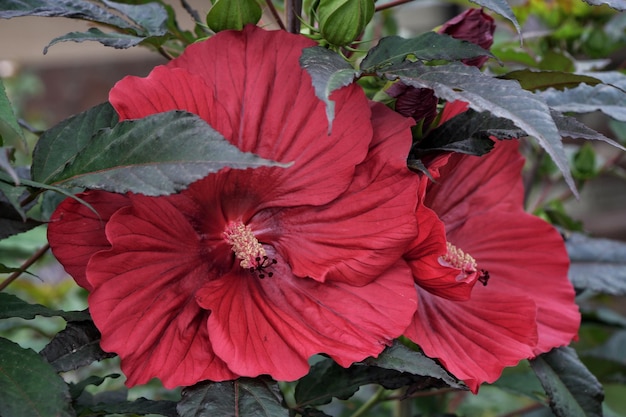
[(25, 266)]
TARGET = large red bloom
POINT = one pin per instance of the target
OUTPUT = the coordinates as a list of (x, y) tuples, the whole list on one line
[(527, 306), (251, 272)]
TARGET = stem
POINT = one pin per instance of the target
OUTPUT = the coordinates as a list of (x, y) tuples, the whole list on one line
[(391, 4), (275, 14), (375, 399), (192, 12), (294, 11), (25, 266)]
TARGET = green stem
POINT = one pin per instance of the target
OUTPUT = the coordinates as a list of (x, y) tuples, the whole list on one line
[(375, 399), (25, 266)]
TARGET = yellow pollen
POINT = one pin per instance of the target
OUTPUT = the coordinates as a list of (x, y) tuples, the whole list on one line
[(459, 259), (244, 244)]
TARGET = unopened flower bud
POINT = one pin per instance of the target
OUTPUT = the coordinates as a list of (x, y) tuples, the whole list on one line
[(418, 103), (475, 26), (342, 21), (233, 14)]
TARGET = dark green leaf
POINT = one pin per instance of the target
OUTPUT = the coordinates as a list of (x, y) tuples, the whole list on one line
[(597, 264), (542, 80), (400, 358), (502, 8), (428, 46), (29, 386), (75, 346), (467, 133), (59, 145), (329, 72), (75, 9), (11, 222), (328, 380), (10, 130), (116, 40), (573, 391), (244, 397), (585, 99), (159, 154), (7, 270), (616, 4), (12, 306), (502, 98), (151, 17), (141, 406)]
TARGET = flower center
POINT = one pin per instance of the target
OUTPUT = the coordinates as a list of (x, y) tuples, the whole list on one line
[(248, 249), (456, 258)]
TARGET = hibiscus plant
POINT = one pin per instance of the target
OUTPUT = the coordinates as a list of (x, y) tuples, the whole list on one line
[(302, 213)]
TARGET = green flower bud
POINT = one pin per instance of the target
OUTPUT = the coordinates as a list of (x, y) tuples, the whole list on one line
[(342, 21), (233, 14)]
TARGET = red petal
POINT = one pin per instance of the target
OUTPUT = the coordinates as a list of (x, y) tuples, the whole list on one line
[(364, 231), (249, 86), (273, 325), (143, 298), (75, 232), (475, 339), (470, 185)]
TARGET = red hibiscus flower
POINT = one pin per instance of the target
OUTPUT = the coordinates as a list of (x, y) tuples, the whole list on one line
[(251, 272), (527, 304)]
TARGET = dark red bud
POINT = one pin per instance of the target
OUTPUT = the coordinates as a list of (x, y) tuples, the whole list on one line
[(418, 103), (475, 26)]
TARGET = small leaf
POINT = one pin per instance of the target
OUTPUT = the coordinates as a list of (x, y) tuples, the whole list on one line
[(573, 390), (75, 346), (616, 4), (502, 98), (259, 397), (586, 99), (10, 131), (428, 46), (75, 9), (156, 155), (29, 386), (233, 14), (542, 80), (115, 40), (502, 8), (329, 72), (77, 389), (57, 146), (584, 163), (12, 306), (570, 127), (12, 223), (598, 265)]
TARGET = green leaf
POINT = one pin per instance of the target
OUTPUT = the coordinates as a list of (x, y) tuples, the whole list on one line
[(612, 350), (616, 4), (156, 155), (244, 397), (398, 367), (573, 391), (428, 46), (75, 9), (29, 386), (75, 346), (598, 265), (233, 14), (141, 406), (329, 72), (10, 131), (151, 17), (584, 163), (5, 164), (77, 389), (502, 8), (586, 99), (502, 98), (400, 358), (58, 146), (116, 40), (542, 80), (12, 306), (468, 133)]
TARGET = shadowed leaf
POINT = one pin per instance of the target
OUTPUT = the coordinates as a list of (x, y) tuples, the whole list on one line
[(12, 306), (542, 80)]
